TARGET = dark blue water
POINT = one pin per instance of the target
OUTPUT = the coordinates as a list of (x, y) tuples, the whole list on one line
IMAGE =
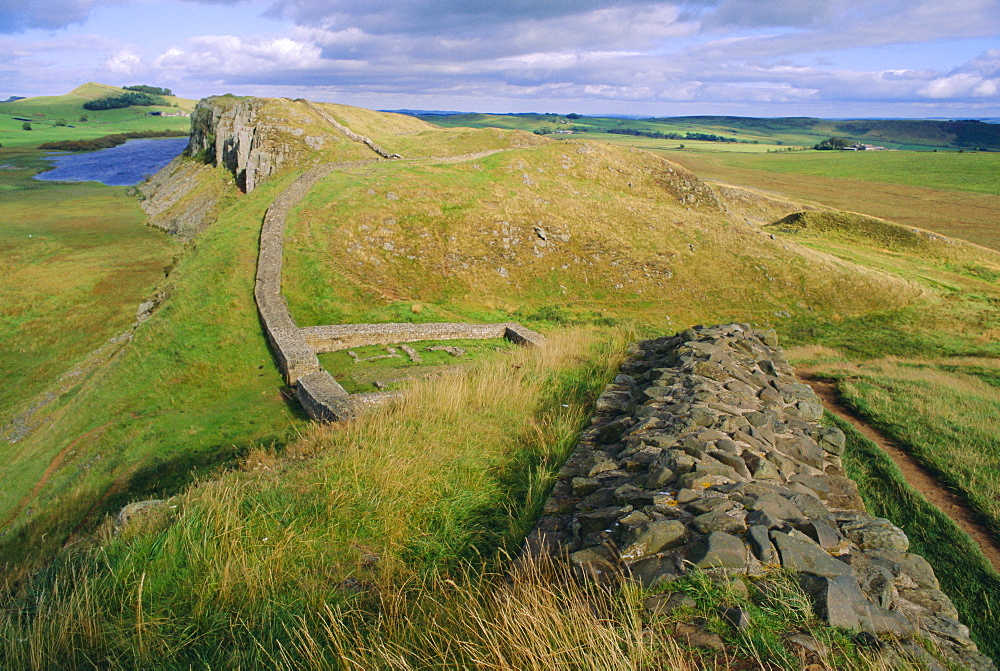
[(123, 165)]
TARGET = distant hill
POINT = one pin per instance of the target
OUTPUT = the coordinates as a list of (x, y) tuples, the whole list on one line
[(916, 134), (63, 117)]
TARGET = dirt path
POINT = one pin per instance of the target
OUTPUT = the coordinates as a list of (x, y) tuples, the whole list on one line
[(915, 474)]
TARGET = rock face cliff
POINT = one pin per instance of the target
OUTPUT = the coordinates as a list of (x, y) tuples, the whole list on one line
[(706, 454), (233, 132)]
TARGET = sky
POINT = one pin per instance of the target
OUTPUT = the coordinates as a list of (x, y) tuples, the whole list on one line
[(823, 58)]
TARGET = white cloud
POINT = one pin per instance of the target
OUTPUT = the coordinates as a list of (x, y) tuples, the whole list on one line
[(221, 55), (123, 63)]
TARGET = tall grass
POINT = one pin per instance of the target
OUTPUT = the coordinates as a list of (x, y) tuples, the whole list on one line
[(948, 420), (965, 574), (229, 573)]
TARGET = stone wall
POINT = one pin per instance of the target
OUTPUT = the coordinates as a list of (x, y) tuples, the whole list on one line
[(707, 454), (348, 132), (295, 357), (294, 348)]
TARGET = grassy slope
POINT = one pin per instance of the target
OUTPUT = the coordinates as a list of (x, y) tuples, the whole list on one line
[(406, 488), (44, 111), (894, 134), (175, 400), (960, 566), (75, 261), (951, 208), (619, 244), (954, 194)]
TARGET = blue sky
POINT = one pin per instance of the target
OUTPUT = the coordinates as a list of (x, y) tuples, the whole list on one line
[(828, 58)]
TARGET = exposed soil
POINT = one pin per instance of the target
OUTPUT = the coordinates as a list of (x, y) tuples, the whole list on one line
[(915, 474)]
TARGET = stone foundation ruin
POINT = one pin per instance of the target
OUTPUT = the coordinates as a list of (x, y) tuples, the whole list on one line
[(295, 349)]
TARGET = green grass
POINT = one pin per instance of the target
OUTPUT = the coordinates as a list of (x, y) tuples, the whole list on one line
[(172, 405), (334, 545), (947, 420), (360, 376), (964, 573), (966, 172), (774, 133), (453, 475), (627, 237), (45, 112), (75, 262)]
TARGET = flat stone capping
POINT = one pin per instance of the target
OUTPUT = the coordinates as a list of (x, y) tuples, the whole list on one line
[(342, 336), (322, 397)]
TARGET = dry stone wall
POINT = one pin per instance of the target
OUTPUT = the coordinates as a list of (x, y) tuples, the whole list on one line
[(294, 348), (349, 133), (707, 454)]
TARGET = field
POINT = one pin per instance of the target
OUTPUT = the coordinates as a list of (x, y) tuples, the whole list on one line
[(55, 118), (280, 541), (794, 132), (75, 262)]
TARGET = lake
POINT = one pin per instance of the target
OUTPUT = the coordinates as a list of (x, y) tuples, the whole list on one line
[(123, 165)]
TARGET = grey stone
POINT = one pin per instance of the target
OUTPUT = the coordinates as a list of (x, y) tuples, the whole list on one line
[(912, 565), (686, 496), (665, 604), (595, 564), (731, 460), (718, 550), (135, 510), (825, 535), (830, 440), (876, 534), (802, 448), (653, 572), (659, 477), (707, 504), (777, 507), (584, 486), (809, 411), (760, 468), (836, 599), (737, 617), (933, 600), (699, 637), (717, 521), (799, 553), (761, 544), (652, 538), (600, 520)]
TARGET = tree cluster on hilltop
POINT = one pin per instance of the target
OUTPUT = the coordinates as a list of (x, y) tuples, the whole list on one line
[(124, 100), (151, 90)]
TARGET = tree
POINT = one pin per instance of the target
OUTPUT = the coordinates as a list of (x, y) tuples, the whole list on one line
[(26, 125), (834, 143)]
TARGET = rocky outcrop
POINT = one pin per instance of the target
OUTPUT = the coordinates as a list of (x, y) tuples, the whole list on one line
[(706, 454), (182, 198), (234, 133)]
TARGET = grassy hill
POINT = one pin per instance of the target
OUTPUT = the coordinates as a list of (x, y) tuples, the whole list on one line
[(770, 132), (55, 118), (380, 542)]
